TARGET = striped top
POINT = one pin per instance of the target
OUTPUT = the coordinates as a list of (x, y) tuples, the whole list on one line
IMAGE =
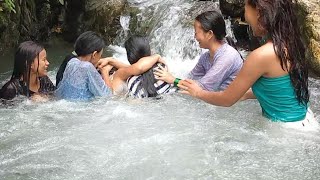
[(136, 90)]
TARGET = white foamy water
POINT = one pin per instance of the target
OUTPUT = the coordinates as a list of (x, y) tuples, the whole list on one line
[(176, 137)]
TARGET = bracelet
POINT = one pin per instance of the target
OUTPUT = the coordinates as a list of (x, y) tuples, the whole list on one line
[(176, 82)]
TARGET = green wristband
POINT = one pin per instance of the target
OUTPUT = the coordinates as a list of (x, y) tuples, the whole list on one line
[(176, 82)]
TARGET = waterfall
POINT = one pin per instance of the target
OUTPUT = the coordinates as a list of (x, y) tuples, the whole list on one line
[(170, 29)]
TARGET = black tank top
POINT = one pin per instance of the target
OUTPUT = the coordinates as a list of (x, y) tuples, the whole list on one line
[(15, 87)]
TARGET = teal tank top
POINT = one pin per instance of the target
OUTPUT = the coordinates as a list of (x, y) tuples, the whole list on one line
[(278, 100)]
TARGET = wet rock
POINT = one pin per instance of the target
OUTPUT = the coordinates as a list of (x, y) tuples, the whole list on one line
[(97, 15), (73, 26), (244, 35), (32, 20), (9, 33), (309, 18), (232, 8)]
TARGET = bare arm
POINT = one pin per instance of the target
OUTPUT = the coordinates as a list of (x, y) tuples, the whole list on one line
[(143, 65), (111, 61), (248, 95), (117, 64), (105, 74), (253, 68)]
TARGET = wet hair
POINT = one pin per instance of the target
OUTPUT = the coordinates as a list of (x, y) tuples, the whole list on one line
[(279, 20), (24, 57), (213, 20), (138, 47), (86, 43)]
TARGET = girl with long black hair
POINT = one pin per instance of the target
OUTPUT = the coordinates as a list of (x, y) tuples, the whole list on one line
[(144, 85), (277, 71), (138, 81), (78, 77), (29, 75)]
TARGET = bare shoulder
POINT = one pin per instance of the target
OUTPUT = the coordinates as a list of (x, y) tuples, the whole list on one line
[(264, 54)]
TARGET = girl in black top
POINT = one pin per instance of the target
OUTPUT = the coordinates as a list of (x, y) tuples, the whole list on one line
[(29, 75)]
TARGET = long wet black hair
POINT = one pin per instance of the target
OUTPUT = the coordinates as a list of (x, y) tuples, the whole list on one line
[(279, 20), (138, 47), (24, 57), (213, 20), (86, 43)]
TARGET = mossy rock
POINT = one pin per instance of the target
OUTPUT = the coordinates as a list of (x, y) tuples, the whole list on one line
[(309, 18), (232, 8), (101, 16), (32, 20)]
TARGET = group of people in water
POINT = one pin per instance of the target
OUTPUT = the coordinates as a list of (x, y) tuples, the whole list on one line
[(276, 73)]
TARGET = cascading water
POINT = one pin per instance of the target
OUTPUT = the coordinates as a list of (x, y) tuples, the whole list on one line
[(176, 137)]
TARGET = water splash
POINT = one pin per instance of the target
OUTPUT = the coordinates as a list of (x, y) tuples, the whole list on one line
[(176, 137)]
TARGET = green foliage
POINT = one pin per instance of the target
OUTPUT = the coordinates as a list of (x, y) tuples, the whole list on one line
[(7, 5)]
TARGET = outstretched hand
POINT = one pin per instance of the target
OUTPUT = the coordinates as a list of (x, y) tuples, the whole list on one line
[(190, 87)]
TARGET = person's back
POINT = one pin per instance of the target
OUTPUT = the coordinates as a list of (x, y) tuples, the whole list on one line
[(137, 90), (278, 99), (144, 85), (81, 80), (274, 90), (277, 71)]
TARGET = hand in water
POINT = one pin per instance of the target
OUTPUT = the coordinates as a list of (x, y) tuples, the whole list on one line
[(190, 87), (39, 98), (163, 74)]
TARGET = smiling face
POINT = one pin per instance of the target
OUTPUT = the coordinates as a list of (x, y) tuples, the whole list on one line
[(202, 36), (40, 64)]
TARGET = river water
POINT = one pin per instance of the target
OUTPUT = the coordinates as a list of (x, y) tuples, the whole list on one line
[(175, 137)]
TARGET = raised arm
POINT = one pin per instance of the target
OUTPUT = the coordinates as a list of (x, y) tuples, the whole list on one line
[(143, 65), (111, 61), (162, 73)]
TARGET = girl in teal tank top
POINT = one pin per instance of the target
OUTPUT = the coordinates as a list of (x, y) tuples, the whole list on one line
[(278, 99), (277, 71)]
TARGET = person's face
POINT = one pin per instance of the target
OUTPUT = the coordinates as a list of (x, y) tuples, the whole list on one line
[(252, 15), (201, 35), (95, 57), (40, 64)]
